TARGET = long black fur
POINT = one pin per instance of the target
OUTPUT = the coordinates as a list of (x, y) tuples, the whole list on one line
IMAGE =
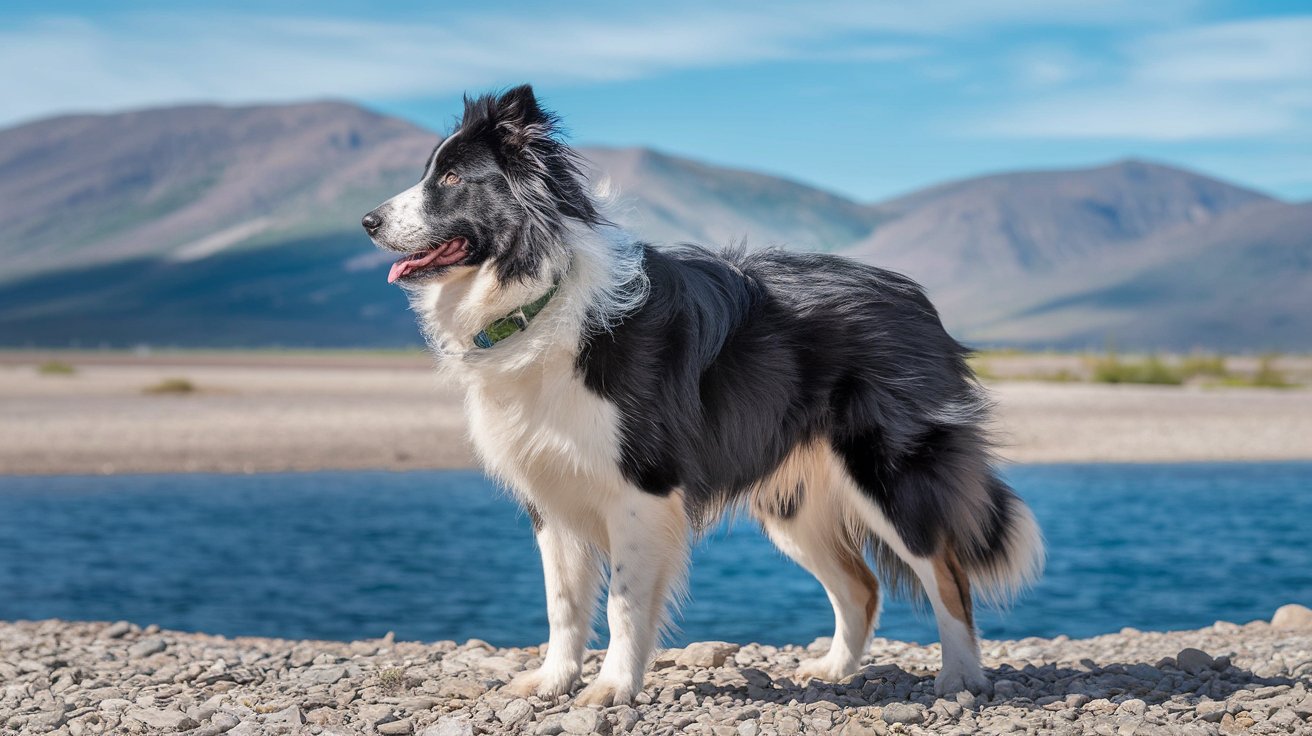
[(737, 358)]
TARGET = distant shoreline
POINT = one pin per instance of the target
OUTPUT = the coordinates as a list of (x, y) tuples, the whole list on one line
[(93, 412)]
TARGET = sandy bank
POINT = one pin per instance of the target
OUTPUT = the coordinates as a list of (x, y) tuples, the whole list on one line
[(254, 412)]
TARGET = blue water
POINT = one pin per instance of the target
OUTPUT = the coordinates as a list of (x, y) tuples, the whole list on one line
[(442, 555)]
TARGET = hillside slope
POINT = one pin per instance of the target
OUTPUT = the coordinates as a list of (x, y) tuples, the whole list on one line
[(208, 225)]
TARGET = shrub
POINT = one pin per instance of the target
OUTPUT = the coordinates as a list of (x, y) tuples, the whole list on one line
[(172, 386), (1200, 364), (1151, 370), (391, 681), (1268, 375), (56, 368)]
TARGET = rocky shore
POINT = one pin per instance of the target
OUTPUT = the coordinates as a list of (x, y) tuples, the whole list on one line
[(99, 678)]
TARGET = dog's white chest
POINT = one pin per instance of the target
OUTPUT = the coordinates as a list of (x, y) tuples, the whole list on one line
[(547, 436)]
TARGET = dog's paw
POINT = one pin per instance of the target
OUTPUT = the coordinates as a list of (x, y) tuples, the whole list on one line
[(544, 683), (605, 693), (955, 679), (825, 669)]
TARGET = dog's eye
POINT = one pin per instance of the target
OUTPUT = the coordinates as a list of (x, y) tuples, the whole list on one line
[(450, 179)]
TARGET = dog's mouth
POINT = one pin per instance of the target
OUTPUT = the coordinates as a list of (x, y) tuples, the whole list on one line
[(414, 265)]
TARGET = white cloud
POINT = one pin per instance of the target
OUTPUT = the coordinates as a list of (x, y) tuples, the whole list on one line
[(1228, 80), (50, 64)]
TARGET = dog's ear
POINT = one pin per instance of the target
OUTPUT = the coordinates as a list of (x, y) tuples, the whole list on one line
[(520, 120)]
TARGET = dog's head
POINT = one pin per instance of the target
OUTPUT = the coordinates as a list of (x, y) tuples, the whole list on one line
[(499, 192)]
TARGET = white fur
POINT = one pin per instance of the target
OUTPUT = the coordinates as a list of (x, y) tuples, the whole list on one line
[(555, 445)]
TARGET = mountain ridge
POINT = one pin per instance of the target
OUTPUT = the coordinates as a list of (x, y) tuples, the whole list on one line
[(205, 189)]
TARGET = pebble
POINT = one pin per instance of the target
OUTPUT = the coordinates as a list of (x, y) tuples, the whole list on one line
[(704, 654), (1193, 661), (515, 712), (1292, 617), (449, 726), (396, 728), (903, 713), (85, 679), (117, 630), (580, 721), (147, 647), (165, 719)]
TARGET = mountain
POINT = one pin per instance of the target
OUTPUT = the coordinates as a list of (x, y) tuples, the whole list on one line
[(669, 199), (1037, 222), (187, 182), (1241, 282), (209, 225)]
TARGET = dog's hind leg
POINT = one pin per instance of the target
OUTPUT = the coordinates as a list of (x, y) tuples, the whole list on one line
[(573, 579), (924, 547), (648, 546), (807, 523)]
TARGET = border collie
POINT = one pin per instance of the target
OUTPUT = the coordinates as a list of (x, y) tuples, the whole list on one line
[(630, 395)]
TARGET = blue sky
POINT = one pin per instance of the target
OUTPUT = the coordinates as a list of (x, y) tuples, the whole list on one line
[(869, 99)]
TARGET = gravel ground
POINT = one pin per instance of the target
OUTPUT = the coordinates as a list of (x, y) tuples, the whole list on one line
[(92, 678)]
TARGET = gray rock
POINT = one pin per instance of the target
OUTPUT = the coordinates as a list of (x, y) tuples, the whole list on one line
[(372, 715), (580, 721), (1132, 707), (903, 713), (117, 630), (166, 719), (1292, 617), (461, 688), (290, 716), (550, 726), (449, 726), (323, 674), (222, 722), (749, 728), (626, 718), (706, 654), (515, 712), (396, 728), (1008, 689), (1193, 661), (147, 647)]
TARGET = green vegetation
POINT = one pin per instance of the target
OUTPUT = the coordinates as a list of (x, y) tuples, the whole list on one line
[(1202, 365), (172, 386), (1267, 375), (1197, 368), (391, 681), (56, 368), (1061, 375), (1151, 370)]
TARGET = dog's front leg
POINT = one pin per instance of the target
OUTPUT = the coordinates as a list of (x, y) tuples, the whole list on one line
[(573, 579), (648, 546)]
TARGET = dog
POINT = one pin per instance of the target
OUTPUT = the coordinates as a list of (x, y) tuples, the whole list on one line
[(629, 395)]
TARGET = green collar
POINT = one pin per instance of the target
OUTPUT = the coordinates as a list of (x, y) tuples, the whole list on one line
[(503, 327)]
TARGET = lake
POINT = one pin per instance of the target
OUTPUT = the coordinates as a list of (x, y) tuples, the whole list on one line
[(445, 555)]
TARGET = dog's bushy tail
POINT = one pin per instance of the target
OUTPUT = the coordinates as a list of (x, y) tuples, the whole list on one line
[(1006, 553), (1003, 555)]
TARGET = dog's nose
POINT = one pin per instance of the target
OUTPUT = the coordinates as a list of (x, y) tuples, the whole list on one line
[(371, 222)]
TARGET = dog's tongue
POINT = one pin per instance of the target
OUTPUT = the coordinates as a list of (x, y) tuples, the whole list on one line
[(443, 255)]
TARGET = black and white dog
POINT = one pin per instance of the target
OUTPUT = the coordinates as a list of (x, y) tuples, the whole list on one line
[(629, 395)]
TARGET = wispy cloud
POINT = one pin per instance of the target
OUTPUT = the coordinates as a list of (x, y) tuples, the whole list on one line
[(1227, 80), (50, 64)]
